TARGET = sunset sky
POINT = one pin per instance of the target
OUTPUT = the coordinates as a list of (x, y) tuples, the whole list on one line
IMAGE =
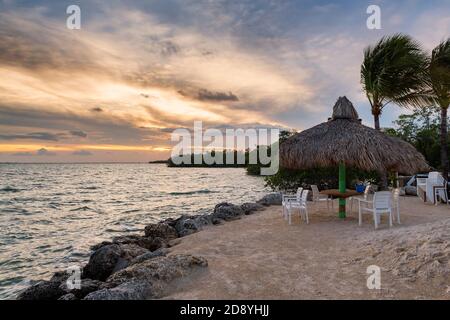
[(137, 70)]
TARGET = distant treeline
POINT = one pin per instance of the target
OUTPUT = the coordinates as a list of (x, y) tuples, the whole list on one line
[(224, 159), (240, 159)]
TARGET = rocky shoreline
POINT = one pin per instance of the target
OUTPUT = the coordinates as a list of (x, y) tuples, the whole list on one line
[(135, 267)]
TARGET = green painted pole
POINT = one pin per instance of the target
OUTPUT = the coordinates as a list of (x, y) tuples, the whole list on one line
[(342, 189)]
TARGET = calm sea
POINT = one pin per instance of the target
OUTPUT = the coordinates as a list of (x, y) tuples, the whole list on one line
[(50, 214)]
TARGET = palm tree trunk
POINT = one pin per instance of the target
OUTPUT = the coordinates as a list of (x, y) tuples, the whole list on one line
[(376, 116), (444, 151), (383, 184)]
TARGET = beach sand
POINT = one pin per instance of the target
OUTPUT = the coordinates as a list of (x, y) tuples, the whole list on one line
[(260, 256)]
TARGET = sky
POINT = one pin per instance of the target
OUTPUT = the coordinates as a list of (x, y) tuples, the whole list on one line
[(117, 88)]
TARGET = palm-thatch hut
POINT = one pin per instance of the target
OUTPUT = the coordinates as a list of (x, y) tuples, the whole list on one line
[(344, 141)]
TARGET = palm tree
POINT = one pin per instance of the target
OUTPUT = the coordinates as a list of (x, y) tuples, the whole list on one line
[(437, 92), (393, 71)]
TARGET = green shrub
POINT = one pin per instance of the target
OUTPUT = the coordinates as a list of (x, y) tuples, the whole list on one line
[(325, 178)]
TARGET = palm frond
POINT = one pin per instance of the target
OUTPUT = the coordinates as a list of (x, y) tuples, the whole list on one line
[(393, 69)]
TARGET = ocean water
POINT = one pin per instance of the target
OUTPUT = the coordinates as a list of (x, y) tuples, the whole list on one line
[(50, 214)]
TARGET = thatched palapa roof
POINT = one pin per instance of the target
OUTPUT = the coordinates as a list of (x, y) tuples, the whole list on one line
[(344, 138)]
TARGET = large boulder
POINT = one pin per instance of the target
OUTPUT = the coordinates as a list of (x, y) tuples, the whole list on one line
[(160, 230), (111, 258), (148, 278), (160, 268), (271, 199), (251, 207), (45, 290), (186, 225), (227, 211), (102, 262)]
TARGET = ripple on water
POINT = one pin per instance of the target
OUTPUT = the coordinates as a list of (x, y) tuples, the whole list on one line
[(20, 211), (83, 208), (184, 193), (131, 211), (9, 189)]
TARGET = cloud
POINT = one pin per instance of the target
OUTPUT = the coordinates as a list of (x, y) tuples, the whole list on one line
[(82, 153), (48, 136), (104, 128), (44, 152), (78, 133), (160, 65), (204, 94)]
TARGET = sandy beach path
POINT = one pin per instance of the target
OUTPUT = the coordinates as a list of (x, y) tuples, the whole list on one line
[(262, 257)]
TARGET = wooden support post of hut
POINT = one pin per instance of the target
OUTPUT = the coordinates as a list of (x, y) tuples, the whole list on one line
[(342, 189)]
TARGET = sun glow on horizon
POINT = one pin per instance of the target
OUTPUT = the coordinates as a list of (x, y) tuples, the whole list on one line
[(7, 148)]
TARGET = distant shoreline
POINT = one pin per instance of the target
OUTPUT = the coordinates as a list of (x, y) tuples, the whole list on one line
[(140, 162)]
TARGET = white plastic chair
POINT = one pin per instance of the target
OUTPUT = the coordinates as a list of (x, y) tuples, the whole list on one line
[(301, 206), (317, 197), (432, 181), (382, 203), (421, 187), (440, 191), (364, 197), (286, 198), (396, 202)]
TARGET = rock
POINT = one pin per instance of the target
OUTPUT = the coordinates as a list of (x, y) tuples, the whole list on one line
[(45, 290), (215, 220), (411, 191), (251, 207), (102, 262), (69, 296), (132, 290), (227, 211), (112, 258), (157, 243), (149, 255), (161, 230), (158, 271), (86, 286), (203, 220), (131, 251), (147, 279), (270, 199), (187, 225), (148, 243), (171, 221), (97, 246)]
